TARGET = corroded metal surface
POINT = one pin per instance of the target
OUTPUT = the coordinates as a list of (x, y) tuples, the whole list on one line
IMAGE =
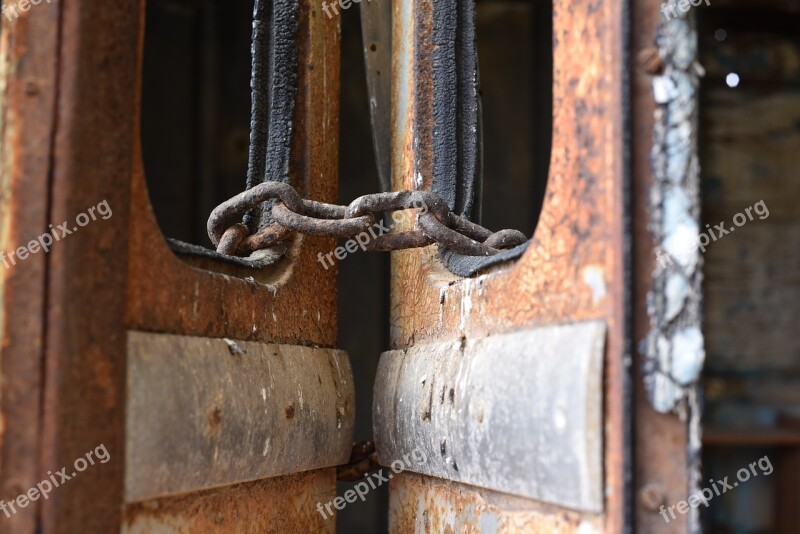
[(284, 504), (674, 352), (426, 505), (287, 303), (519, 413), (660, 441), (203, 413), (292, 302), (28, 72), (293, 214), (71, 73), (574, 268), (85, 335)]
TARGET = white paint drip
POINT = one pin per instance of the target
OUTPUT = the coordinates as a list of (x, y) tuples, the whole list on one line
[(466, 305), (688, 355), (593, 277), (418, 180)]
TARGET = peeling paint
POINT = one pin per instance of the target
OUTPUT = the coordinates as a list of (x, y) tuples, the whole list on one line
[(673, 352), (594, 278)]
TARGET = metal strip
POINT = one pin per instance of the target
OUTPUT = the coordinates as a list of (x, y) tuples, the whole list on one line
[(376, 30), (518, 413), (203, 413), (274, 92)]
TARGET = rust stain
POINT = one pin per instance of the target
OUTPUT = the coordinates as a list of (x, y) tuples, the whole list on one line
[(64, 397), (660, 440), (214, 417), (285, 504), (574, 268), (425, 505), (27, 123), (209, 299)]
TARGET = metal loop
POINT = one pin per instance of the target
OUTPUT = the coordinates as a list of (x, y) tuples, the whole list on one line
[(231, 239), (452, 239), (400, 200), (400, 241), (227, 212), (325, 227), (322, 210), (470, 229), (272, 234), (437, 224), (505, 239)]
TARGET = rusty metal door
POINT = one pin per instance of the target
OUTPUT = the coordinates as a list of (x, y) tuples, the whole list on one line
[(214, 386), (511, 384)]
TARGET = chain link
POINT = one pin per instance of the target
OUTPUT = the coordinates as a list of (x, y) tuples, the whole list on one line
[(435, 222)]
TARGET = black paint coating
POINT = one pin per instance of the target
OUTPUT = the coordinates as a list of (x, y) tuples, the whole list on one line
[(273, 94), (273, 87), (457, 127)]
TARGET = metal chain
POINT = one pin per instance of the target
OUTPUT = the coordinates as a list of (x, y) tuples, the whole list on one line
[(435, 222)]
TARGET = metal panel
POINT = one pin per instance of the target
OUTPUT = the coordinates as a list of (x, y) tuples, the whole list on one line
[(519, 413), (420, 504), (275, 505), (28, 75), (575, 268), (210, 412)]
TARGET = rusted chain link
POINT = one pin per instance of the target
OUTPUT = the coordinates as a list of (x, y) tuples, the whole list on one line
[(363, 460), (435, 222)]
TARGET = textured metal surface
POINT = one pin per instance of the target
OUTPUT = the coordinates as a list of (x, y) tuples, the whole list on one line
[(518, 413), (93, 154), (275, 505), (673, 353), (205, 412), (273, 83), (674, 350), (70, 139), (292, 301), (363, 460), (660, 454), (425, 505), (28, 77), (573, 269), (293, 214)]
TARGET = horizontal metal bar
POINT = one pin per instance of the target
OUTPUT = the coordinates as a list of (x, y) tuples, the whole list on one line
[(204, 413), (518, 413)]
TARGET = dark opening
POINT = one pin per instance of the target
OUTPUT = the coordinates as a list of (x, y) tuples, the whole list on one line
[(515, 52), (195, 109)]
